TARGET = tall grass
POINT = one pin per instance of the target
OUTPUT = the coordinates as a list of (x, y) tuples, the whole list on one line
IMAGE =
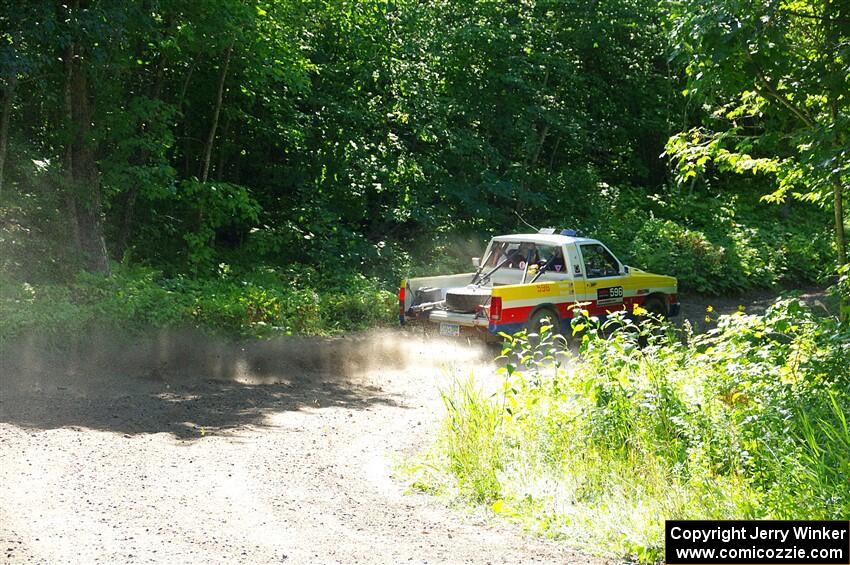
[(747, 421), (471, 423)]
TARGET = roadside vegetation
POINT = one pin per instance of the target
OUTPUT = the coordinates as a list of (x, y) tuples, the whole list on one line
[(244, 305), (748, 420)]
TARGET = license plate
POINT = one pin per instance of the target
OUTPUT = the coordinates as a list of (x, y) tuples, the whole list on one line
[(610, 295), (451, 330)]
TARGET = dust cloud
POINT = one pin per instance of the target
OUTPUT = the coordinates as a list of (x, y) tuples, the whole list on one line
[(180, 357)]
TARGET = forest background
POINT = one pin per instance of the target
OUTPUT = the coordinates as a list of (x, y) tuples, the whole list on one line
[(275, 167)]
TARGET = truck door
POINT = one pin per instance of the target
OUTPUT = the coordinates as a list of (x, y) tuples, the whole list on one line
[(572, 287), (603, 279)]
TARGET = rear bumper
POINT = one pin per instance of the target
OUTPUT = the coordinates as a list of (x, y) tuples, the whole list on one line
[(467, 320), (470, 324)]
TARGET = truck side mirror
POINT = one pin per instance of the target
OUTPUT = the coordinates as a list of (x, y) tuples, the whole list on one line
[(476, 262), (625, 269)]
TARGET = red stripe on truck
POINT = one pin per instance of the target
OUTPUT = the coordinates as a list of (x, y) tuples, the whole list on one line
[(565, 310)]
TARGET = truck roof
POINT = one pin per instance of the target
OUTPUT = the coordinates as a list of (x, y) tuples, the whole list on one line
[(543, 239)]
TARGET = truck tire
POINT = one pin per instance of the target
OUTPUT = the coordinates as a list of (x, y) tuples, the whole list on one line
[(467, 299), (656, 305), (543, 316), (427, 294)]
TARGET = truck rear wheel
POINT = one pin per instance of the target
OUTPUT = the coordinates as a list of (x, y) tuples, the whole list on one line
[(543, 317)]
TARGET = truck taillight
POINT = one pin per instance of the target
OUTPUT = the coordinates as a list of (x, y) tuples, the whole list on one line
[(401, 295), (495, 308)]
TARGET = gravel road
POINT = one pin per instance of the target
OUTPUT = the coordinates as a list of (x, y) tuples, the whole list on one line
[(179, 449)]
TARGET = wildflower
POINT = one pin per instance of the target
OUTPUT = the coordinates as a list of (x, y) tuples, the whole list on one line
[(741, 308), (709, 309), (708, 319), (640, 310)]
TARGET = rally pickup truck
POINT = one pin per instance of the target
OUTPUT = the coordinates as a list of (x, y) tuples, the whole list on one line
[(526, 280)]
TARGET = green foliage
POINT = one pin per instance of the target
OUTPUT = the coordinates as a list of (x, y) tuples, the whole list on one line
[(214, 206), (349, 129), (775, 84), (746, 421), (259, 304), (726, 243), (663, 246), (717, 261), (373, 138), (357, 303), (772, 80), (33, 232), (842, 289)]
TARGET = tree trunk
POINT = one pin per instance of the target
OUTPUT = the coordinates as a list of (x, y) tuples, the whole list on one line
[(554, 152), (81, 174), (142, 158), (185, 122), (68, 196), (205, 171), (785, 209), (540, 143), (5, 116), (840, 238), (838, 205), (222, 153), (126, 222)]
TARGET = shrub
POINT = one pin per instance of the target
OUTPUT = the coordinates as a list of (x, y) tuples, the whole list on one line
[(719, 244), (666, 247), (746, 421), (254, 304)]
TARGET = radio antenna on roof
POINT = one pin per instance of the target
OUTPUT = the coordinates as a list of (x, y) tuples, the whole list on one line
[(521, 219)]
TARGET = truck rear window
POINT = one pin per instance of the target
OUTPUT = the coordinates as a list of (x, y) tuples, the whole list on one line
[(520, 253)]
